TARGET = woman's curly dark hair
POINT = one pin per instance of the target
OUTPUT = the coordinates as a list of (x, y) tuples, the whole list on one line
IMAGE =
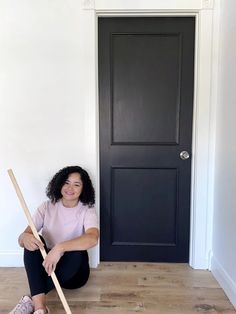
[(53, 190)]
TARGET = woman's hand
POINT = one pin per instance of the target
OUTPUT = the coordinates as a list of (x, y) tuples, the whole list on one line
[(52, 259), (29, 242)]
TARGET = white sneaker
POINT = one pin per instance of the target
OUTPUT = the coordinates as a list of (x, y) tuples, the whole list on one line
[(40, 311), (25, 306)]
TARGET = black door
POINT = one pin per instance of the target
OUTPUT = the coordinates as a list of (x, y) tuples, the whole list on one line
[(145, 102)]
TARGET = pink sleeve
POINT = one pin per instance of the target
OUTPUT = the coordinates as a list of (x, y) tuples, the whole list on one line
[(38, 216), (90, 219)]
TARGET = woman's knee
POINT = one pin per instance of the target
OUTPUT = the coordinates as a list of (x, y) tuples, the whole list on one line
[(79, 279), (75, 258), (72, 263), (33, 256)]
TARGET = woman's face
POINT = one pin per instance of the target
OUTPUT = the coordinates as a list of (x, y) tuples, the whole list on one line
[(72, 189)]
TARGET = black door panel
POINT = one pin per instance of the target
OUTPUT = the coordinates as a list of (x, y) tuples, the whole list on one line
[(145, 105)]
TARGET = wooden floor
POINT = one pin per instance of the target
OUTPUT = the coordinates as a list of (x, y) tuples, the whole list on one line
[(122, 288)]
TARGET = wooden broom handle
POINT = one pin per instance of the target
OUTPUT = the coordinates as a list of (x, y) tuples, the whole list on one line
[(35, 233)]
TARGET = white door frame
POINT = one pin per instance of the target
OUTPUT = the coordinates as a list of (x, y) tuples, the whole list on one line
[(202, 10)]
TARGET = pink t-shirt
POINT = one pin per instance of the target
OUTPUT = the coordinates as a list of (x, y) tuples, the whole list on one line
[(58, 223)]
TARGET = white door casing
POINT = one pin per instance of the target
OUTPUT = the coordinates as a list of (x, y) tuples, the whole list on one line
[(202, 10)]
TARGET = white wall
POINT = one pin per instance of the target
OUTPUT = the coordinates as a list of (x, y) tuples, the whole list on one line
[(47, 104), (224, 222), (48, 109)]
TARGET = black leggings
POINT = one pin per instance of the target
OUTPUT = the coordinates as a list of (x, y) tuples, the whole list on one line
[(72, 271)]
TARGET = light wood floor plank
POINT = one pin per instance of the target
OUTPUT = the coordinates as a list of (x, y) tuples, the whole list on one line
[(123, 288)]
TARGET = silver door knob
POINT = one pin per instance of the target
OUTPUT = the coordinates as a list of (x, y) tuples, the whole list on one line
[(184, 155)]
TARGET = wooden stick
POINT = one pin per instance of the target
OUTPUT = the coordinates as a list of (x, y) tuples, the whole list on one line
[(35, 233)]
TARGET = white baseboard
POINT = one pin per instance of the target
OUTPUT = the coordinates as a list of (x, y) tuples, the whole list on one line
[(224, 280), (11, 259)]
